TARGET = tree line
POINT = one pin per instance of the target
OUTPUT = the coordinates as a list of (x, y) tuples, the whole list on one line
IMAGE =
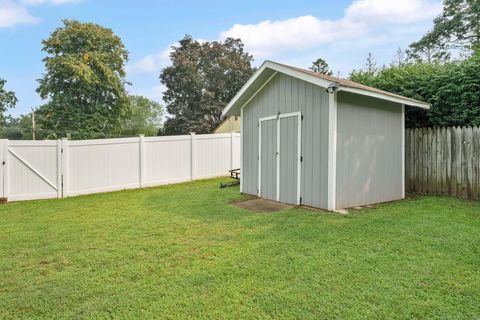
[(85, 86)]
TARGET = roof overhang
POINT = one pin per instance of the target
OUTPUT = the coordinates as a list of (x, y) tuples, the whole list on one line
[(269, 69)]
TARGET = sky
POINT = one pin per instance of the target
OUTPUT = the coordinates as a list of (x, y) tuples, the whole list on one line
[(293, 32)]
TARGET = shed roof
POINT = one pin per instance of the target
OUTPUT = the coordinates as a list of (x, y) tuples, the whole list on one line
[(269, 69)]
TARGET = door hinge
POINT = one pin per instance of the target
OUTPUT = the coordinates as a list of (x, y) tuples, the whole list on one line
[(301, 200), (301, 158), (3, 163), (301, 117)]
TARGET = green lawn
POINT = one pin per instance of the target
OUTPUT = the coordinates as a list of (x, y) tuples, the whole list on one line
[(183, 251)]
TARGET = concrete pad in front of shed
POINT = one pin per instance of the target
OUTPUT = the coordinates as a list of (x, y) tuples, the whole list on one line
[(262, 205)]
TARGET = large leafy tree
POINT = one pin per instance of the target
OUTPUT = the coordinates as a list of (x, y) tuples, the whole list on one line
[(7, 99), (19, 128), (145, 117), (321, 66), (203, 78), (457, 27), (452, 89), (84, 81)]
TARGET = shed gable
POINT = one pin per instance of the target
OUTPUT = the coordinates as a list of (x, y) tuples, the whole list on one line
[(286, 94)]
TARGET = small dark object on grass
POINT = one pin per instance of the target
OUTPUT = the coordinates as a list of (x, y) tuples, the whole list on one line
[(234, 174), (229, 184)]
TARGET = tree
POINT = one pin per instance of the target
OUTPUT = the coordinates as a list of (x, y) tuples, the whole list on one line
[(18, 128), (370, 64), (202, 79), (429, 51), (321, 66), (84, 81), (367, 74), (399, 58), (457, 27), (8, 99), (145, 117)]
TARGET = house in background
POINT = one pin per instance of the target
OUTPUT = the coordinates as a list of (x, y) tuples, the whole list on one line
[(321, 141), (230, 124)]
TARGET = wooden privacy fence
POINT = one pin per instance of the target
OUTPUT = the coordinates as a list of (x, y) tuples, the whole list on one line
[(443, 161), (62, 168)]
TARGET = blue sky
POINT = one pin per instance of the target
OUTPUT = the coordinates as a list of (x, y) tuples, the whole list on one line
[(293, 32)]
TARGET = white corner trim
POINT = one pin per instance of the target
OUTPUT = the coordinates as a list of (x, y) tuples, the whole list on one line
[(403, 151), (241, 150), (332, 151), (277, 196), (299, 156), (259, 164)]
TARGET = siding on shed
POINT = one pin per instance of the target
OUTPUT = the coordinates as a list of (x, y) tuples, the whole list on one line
[(288, 94), (369, 151)]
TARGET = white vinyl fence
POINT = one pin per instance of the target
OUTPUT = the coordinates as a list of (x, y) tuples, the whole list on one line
[(62, 168)]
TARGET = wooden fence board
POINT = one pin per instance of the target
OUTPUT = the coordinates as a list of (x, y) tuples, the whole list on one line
[(444, 161)]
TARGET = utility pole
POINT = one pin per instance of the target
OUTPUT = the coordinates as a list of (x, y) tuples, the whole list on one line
[(33, 123)]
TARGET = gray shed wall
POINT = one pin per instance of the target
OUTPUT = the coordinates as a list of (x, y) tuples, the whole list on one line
[(369, 150), (287, 94)]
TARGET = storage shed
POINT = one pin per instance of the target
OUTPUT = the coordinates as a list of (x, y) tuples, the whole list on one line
[(312, 139)]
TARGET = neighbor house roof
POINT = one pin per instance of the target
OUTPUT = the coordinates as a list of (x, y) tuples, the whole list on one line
[(269, 69)]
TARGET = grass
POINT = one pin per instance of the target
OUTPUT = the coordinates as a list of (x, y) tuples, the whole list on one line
[(183, 251)]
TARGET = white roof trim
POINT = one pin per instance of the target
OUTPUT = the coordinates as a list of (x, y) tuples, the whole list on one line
[(386, 97), (319, 82)]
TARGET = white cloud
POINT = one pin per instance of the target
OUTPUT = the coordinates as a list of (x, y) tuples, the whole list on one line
[(365, 25), (41, 2), (304, 32), (392, 12), (363, 18), (13, 13), (152, 63)]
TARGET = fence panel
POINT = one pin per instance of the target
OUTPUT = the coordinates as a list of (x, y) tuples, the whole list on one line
[(51, 169), (444, 161), (101, 165), (167, 159), (212, 155)]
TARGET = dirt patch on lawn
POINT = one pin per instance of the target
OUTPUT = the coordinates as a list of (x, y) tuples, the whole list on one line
[(262, 205)]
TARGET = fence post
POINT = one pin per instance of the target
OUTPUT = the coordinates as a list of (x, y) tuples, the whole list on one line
[(231, 150), (141, 142), (64, 168), (193, 155), (59, 168), (5, 169)]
